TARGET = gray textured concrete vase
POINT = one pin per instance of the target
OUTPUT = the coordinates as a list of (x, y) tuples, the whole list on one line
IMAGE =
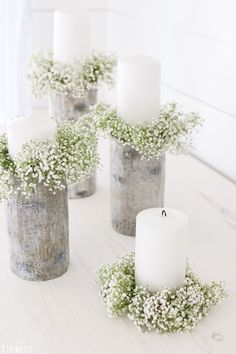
[(39, 234), (83, 189), (63, 108), (136, 184)]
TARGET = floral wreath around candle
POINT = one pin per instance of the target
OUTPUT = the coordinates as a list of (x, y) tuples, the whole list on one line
[(165, 311), (70, 158), (171, 131), (46, 75)]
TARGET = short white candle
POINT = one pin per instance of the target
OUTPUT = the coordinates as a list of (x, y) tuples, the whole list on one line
[(71, 37), (161, 248), (138, 89), (36, 127)]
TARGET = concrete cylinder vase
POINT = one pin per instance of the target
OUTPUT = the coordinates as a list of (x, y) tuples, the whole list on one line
[(63, 108), (85, 188), (135, 184), (39, 234)]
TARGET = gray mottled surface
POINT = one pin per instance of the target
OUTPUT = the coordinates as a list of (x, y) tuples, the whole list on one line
[(39, 234), (135, 185), (63, 108), (84, 188)]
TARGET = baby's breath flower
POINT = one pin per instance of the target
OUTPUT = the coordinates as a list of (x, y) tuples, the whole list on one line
[(165, 311), (46, 75), (171, 131), (71, 158), (116, 282), (97, 69)]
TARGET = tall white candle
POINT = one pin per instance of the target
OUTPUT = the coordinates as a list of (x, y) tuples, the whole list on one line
[(138, 89), (71, 37), (36, 127), (161, 248)]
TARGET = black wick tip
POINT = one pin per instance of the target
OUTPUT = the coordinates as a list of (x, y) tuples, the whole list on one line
[(163, 213)]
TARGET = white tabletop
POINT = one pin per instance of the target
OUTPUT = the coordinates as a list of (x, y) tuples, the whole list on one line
[(65, 315)]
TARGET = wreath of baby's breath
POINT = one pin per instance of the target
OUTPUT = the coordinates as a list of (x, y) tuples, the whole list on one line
[(46, 75), (70, 158), (165, 311), (171, 131)]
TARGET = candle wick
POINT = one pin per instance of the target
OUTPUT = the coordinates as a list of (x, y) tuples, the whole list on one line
[(163, 213)]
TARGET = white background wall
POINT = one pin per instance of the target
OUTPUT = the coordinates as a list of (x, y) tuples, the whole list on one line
[(196, 43)]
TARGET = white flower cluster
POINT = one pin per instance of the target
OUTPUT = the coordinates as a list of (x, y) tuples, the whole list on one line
[(116, 283), (46, 75), (165, 311), (171, 131), (7, 170), (97, 69), (71, 158)]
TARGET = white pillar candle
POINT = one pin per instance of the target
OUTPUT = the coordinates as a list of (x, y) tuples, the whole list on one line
[(138, 89), (71, 37), (161, 248), (36, 127)]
